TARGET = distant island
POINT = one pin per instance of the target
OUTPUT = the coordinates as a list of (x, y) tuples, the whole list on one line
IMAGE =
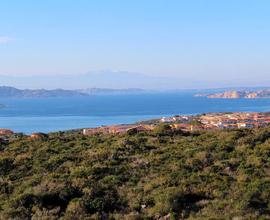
[(11, 92), (238, 94), (106, 91)]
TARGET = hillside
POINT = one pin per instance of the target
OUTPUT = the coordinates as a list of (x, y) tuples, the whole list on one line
[(158, 175)]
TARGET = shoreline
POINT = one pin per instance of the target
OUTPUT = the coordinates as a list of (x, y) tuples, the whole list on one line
[(210, 120)]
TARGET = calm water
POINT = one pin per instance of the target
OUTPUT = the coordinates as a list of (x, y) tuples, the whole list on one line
[(45, 115)]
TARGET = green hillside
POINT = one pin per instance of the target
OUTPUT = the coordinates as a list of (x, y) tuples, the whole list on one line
[(158, 175)]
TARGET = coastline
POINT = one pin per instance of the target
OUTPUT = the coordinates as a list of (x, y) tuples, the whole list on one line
[(187, 122), (61, 114)]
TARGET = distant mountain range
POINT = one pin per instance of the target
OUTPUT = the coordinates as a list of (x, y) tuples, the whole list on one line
[(11, 92), (265, 93), (99, 79), (121, 80)]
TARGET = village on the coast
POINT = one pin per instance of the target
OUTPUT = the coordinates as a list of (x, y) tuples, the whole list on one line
[(208, 121), (236, 120)]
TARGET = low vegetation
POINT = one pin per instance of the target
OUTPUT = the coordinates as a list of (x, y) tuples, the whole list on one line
[(158, 175)]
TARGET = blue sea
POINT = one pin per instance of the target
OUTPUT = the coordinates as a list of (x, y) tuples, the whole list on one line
[(55, 114)]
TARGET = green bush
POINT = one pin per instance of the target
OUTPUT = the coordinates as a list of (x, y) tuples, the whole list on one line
[(162, 174)]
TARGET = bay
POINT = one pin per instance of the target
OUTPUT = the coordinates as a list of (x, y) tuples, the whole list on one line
[(54, 114)]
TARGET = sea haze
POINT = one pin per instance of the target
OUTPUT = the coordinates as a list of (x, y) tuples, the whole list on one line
[(53, 114)]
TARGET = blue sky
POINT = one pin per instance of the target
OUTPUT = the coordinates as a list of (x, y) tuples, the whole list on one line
[(224, 42)]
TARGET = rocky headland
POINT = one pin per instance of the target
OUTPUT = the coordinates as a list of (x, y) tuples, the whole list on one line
[(238, 94)]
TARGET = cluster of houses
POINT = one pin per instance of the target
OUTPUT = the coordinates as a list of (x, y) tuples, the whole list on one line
[(6, 135), (185, 123), (219, 120), (235, 120), (192, 123), (177, 119), (117, 129)]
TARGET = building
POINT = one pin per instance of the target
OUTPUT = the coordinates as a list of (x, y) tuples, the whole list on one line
[(168, 120), (181, 126), (246, 125), (36, 136), (6, 132)]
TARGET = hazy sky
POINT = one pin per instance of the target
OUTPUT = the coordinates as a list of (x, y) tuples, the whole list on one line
[(212, 40)]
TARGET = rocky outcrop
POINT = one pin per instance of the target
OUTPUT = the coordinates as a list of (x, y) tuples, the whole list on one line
[(228, 95), (240, 94)]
